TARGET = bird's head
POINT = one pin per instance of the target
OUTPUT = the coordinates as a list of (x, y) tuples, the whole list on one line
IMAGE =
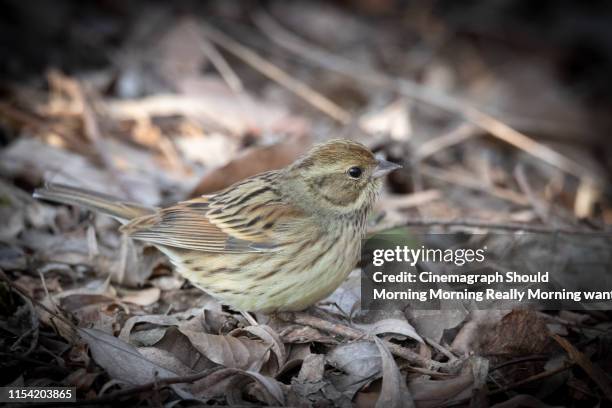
[(338, 177)]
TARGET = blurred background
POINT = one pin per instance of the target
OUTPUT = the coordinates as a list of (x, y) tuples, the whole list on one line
[(509, 98), (499, 111)]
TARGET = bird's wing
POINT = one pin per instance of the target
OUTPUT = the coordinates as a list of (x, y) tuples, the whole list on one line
[(246, 217)]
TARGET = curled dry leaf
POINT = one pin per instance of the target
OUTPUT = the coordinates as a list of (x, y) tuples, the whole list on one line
[(229, 351), (309, 382), (160, 320), (141, 297), (146, 338), (360, 363), (271, 338), (394, 392), (93, 305), (122, 361), (262, 387), (179, 346), (232, 383), (297, 354), (391, 326), (311, 388)]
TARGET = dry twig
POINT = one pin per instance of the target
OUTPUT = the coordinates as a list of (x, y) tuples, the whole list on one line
[(495, 226), (457, 135), (466, 180), (273, 72), (540, 207)]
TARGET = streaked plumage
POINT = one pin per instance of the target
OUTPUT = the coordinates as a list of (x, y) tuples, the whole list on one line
[(278, 241)]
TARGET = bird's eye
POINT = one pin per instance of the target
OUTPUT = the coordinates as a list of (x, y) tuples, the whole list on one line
[(355, 172)]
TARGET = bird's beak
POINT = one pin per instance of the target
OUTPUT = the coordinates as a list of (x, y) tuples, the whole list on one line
[(384, 167)]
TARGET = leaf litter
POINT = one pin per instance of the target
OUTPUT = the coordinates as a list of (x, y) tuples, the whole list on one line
[(181, 112)]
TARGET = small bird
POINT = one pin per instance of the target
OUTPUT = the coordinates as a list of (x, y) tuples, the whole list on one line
[(276, 242)]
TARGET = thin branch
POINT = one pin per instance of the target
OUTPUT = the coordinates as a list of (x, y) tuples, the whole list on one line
[(469, 181), (273, 72), (540, 207), (440, 348), (457, 135), (222, 66), (491, 225)]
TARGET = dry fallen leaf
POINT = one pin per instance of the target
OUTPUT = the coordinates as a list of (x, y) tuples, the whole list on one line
[(311, 388), (359, 362), (161, 320), (165, 359), (233, 383), (394, 392), (122, 361), (141, 297), (253, 161), (391, 326), (271, 338), (228, 351), (179, 346)]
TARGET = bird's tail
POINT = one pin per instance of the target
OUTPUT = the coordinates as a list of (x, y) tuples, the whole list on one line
[(109, 205)]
